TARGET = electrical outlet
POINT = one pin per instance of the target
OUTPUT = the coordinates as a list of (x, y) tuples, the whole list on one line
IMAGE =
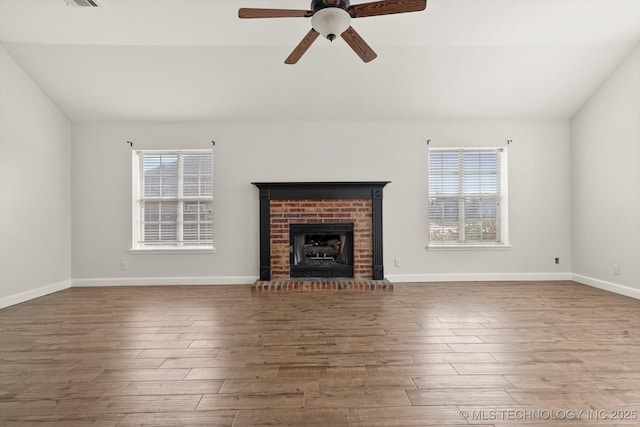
[(557, 260), (615, 268), (123, 265), (397, 262)]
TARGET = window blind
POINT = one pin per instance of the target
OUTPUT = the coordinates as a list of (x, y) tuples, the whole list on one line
[(175, 200), (465, 196)]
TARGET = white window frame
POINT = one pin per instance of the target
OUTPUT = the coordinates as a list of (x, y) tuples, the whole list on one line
[(138, 245), (503, 242)]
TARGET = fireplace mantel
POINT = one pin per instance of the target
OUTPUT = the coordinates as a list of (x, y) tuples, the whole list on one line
[(369, 190)]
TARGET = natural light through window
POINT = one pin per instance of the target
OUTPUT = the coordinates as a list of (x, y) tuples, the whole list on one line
[(173, 199), (467, 197)]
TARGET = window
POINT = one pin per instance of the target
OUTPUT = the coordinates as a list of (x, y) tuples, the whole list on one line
[(467, 197), (173, 199)]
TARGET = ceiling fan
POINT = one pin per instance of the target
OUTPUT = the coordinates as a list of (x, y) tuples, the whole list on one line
[(332, 18)]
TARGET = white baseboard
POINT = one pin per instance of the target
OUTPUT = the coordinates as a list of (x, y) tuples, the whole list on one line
[(34, 293), (248, 280), (162, 281), (516, 277), (477, 277), (607, 286)]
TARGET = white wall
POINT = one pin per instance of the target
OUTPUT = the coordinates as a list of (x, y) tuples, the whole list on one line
[(320, 151), (605, 159), (35, 189)]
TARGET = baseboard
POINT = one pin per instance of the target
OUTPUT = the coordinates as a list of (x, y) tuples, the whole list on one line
[(249, 280), (477, 277), (34, 293), (607, 286), (163, 281)]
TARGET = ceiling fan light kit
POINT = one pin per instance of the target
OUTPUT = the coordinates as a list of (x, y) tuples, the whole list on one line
[(332, 18), (331, 22)]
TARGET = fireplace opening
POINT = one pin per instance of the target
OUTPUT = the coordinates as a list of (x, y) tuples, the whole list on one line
[(321, 250)]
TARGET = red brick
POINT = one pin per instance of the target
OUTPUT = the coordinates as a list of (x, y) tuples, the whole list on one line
[(357, 212)]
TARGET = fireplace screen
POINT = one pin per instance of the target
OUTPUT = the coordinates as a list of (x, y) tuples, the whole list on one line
[(321, 250)]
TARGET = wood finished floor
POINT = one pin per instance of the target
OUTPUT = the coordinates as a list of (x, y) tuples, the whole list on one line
[(425, 354)]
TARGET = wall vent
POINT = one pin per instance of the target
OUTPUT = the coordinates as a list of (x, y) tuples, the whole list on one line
[(83, 3)]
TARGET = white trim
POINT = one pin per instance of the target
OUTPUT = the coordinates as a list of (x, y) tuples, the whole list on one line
[(162, 281), (477, 277), (469, 247), (138, 199), (501, 195), (607, 286), (492, 148), (34, 293), (171, 251), (248, 280)]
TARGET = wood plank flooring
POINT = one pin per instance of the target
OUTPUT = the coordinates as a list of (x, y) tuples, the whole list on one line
[(437, 354)]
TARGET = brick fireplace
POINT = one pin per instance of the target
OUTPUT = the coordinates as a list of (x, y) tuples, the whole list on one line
[(285, 206)]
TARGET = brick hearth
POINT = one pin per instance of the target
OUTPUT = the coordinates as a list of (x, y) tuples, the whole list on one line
[(346, 285)]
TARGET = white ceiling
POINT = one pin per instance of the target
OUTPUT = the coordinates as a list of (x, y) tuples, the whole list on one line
[(196, 60)]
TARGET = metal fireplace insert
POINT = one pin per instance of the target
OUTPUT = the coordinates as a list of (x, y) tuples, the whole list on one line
[(321, 250)]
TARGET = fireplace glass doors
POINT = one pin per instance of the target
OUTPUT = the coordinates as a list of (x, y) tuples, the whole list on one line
[(321, 250)]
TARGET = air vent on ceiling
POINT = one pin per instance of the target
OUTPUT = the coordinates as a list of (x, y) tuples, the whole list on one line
[(83, 3)]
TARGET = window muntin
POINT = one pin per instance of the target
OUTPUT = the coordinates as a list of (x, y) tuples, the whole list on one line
[(467, 202), (173, 199)]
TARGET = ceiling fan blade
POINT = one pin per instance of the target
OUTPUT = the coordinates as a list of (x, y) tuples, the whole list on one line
[(359, 46), (386, 7), (302, 47), (273, 13)]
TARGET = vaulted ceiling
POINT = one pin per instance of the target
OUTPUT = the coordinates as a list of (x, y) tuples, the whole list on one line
[(196, 60)]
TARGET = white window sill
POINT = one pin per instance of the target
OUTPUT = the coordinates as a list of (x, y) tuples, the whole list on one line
[(171, 251), (468, 247)]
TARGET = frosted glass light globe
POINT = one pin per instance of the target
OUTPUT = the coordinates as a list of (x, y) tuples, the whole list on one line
[(331, 22)]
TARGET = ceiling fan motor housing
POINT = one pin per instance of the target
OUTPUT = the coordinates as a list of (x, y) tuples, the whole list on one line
[(317, 5)]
